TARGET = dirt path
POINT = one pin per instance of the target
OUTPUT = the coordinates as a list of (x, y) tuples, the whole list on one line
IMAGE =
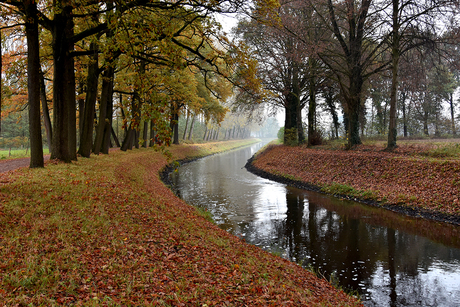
[(12, 164)]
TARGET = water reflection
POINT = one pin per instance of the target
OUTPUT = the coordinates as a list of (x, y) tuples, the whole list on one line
[(389, 259)]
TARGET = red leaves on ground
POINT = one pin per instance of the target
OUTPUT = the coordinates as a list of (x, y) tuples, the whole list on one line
[(127, 240), (397, 178)]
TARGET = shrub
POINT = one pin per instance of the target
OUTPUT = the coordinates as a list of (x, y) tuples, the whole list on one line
[(290, 135), (316, 138), (281, 134)]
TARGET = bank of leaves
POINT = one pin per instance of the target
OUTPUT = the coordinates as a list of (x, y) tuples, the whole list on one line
[(400, 178), (105, 231)]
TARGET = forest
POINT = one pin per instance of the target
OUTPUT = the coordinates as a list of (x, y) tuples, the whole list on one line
[(82, 76)]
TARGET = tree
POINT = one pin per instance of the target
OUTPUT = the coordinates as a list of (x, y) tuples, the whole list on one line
[(70, 25), (282, 64), (411, 25), (354, 55), (33, 74)]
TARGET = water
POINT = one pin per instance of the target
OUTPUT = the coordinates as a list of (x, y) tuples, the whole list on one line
[(389, 259)]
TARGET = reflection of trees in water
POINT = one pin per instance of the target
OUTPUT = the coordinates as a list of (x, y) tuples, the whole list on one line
[(363, 246), (352, 250)]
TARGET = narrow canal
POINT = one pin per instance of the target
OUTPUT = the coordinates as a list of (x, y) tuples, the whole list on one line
[(389, 259)]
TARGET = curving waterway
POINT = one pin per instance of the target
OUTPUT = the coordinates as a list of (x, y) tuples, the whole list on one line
[(389, 259)]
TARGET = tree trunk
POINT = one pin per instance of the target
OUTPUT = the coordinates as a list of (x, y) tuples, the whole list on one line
[(311, 104), (290, 120), (136, 138), (129, 139), (115, 138), (425, 123), (190, 133), (132, 137), (152, 133), (33, 87), (87, 126), (403, 103), (108, 122), (395, 54), (436, 124), (186, 125), (62, 81), (205, 132), (145, 134), (45, 110), (175, 127), (353, 123), (105, 112), (452, 115)]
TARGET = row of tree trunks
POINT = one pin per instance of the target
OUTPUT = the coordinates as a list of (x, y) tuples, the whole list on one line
[(212, 134), (104, 126), (132, 135), (87, 113)]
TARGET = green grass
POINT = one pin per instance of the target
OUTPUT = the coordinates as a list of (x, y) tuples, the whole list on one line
[(6, 154), (444, 151), (343, 189)]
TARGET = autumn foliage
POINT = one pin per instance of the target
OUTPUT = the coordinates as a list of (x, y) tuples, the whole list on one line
[(107, 232), (405, 177)]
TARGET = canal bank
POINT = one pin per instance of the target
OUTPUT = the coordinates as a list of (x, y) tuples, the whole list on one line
[(107, 231), (416, 187), (388, 258)]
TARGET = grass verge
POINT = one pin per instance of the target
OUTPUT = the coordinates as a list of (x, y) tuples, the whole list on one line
[(105, 231)]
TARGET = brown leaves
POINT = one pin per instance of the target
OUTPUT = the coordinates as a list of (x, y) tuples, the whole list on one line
[(109, 232), (398, 178)]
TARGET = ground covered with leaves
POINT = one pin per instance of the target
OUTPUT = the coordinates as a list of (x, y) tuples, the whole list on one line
[(106, 231), (418, 180)]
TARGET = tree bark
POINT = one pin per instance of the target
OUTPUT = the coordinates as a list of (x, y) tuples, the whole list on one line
[(311, 104), (101, 142), (152, 133), (145, 133), (33, 86), (45, 110), (87, 126), (186, 125), (63, 85), (205, 131), (452, 115), (290, 119), (190, 133), (352, 48), (395, 54), (132, 138), (425, 123), (115, 138), (109, 115)]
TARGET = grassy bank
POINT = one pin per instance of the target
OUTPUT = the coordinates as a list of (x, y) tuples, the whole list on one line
[(417, 180), (17, 153), (105, 231)]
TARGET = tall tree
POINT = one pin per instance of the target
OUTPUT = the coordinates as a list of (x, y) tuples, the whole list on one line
[(282, 65), (411, 25), (33, 75), (354, 53)]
